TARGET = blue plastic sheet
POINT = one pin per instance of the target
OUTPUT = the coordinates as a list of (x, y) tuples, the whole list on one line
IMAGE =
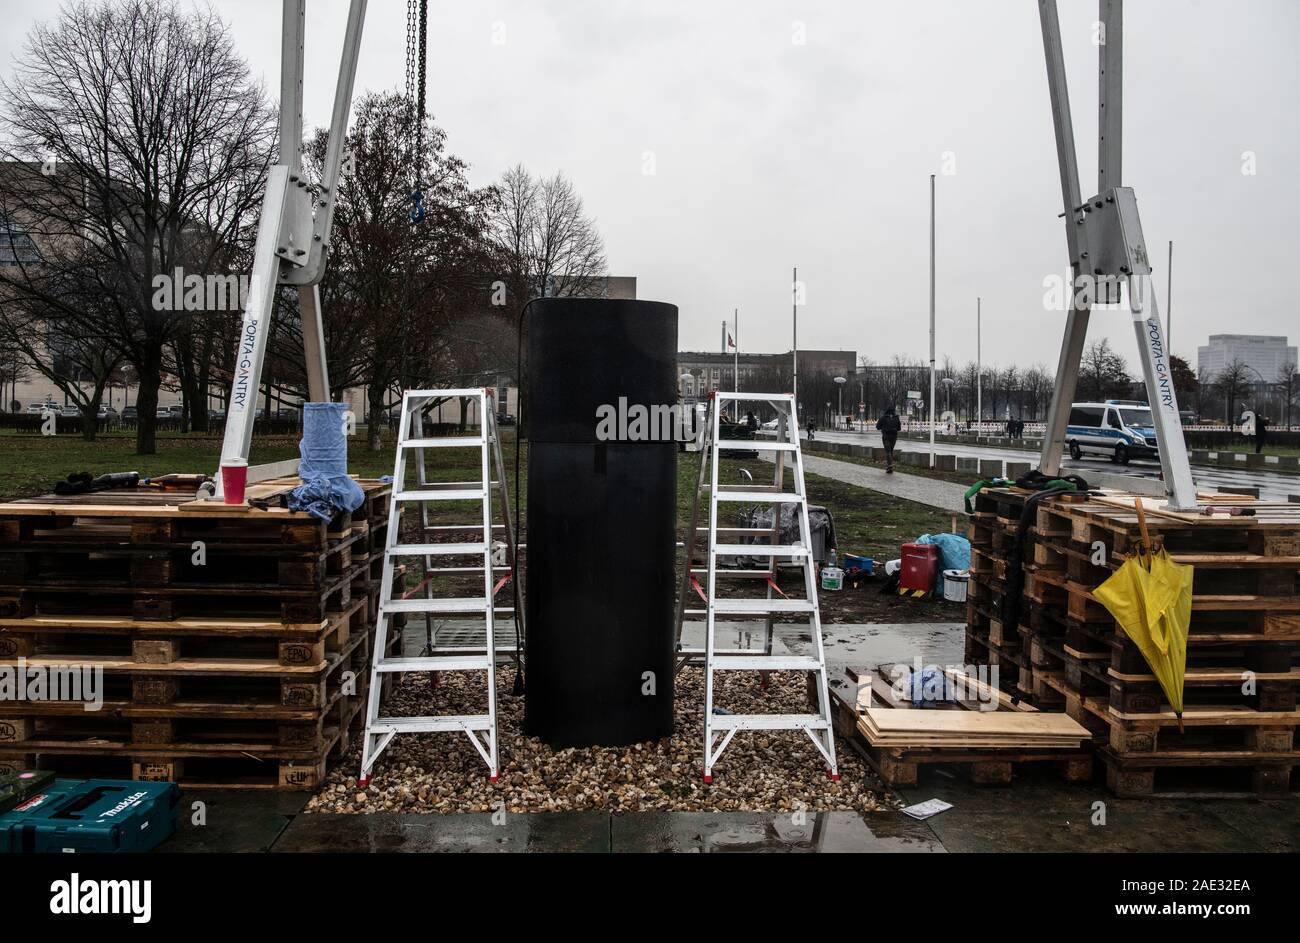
[(928, 687), (954, 550), (327, 488)]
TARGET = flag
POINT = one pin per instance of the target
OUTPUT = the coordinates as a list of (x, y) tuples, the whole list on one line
[(730, 342)]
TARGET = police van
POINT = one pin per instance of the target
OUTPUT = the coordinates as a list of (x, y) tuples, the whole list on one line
[(1120, 429)]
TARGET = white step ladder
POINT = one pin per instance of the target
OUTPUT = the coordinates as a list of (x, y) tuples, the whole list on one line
[(478, 555), (719, 729)]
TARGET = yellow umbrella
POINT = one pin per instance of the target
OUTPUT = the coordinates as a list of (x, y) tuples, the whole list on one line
[(1150, 596)]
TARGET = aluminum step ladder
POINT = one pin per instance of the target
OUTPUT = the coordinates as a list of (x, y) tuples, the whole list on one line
[(470, 548), (720, 729)]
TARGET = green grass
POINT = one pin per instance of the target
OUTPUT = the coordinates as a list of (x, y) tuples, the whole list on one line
[(866, 521), (30, 465)]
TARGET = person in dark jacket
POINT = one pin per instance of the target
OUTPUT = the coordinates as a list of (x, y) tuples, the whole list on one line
[(889, 426), (1261, 433)]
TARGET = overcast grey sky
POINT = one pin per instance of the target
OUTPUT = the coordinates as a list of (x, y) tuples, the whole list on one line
[(769, 153)]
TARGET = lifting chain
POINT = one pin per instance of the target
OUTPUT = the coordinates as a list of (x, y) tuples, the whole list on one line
[(417, 24)]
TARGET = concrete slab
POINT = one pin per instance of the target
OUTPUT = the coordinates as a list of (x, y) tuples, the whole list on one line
[(543, 832), (709, 832), (1271, 825), (1131, 827), (238, 821)]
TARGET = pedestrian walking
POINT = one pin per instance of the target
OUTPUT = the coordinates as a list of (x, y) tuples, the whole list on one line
[(889, 426)]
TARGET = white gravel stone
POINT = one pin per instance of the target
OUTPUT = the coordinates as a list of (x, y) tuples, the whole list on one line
[(759, 772)]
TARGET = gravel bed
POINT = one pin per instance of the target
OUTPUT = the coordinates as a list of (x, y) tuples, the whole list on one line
[(767, 771)]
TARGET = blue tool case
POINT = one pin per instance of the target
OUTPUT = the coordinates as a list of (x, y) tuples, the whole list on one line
[(91, 816)]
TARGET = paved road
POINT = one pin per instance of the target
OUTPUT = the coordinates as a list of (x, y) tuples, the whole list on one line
[(1273, 486), (931, 491)]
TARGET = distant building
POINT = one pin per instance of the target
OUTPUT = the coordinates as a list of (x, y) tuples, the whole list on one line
[(709, 371), (1265, 354)]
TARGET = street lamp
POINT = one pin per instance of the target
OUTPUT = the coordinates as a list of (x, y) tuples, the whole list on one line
[(948, 384), (686, 379), (1262, 383), (840, 381)]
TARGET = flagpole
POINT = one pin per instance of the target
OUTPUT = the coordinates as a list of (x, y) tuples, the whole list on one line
[(736, 347), (794, 313), (932, 459)]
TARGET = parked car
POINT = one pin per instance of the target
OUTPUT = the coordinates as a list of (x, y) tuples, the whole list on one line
[(70, 412), (130, 412), (106, 412), (163, 412), (505, 419), (1122, 429), (37, 409), (216, 414)]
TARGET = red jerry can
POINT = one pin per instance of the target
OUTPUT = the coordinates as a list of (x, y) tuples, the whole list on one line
[(920, 568)]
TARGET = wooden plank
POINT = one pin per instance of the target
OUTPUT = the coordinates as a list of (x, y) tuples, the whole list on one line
[(217, 666), (1009, 723)]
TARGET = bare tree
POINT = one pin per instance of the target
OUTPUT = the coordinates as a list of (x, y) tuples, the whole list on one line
[(1103, 373), (1037, 383), (1231, 382), (156, 143), (14, 369), (544, 240), (1286, 385), (62, 342), (400, 299)]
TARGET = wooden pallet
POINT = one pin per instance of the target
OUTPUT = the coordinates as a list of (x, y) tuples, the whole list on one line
[(248, 672), (900, 765), (1245, 618), (1139, 748), (211, 712)]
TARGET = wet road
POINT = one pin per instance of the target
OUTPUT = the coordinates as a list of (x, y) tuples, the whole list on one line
[(1273, 486)]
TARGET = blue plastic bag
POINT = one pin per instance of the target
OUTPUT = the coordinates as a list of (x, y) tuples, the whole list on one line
[(954, 550), (327, 488)]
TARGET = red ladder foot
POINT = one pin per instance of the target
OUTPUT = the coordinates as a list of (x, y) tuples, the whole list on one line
[(833, 777), (493, 778), (708, 779), (363, 782)]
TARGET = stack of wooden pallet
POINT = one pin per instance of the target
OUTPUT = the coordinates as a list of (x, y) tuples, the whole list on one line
[(217, 646), (974, 726), (1243, 656), (996, 590)]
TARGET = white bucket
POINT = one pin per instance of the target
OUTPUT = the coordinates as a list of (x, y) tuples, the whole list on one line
[(833, 578), (954, 585)]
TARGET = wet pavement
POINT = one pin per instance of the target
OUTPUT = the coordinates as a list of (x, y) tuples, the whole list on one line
[(1273, 486), (1036, 812)]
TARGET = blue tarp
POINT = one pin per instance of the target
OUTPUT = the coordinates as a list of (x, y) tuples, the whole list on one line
[(954, 550), (327, 488)]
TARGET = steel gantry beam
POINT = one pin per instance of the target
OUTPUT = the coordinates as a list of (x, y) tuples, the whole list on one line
[(1107, 253), (293, 236)]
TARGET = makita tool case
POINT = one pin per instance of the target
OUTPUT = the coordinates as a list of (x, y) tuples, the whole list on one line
[(92, 815)]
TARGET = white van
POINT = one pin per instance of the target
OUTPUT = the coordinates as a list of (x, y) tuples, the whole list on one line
[(1121, 429)]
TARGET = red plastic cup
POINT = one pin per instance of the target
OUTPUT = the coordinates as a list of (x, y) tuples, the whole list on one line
[(234, 479)]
